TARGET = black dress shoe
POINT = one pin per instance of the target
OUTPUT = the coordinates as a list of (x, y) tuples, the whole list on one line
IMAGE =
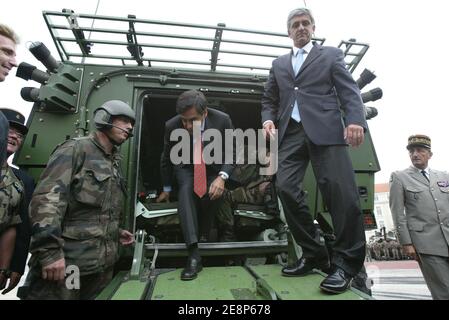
[(190, 272), (336, 282), (304, 266)]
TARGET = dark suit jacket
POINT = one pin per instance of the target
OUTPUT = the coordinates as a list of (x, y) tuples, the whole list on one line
[(20, 254), (323, 88), (215, 120)]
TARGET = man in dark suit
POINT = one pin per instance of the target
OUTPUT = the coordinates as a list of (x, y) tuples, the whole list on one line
[(200, 184), (304, 97)]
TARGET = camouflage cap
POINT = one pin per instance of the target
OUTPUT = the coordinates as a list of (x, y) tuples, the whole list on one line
[(418, 140)]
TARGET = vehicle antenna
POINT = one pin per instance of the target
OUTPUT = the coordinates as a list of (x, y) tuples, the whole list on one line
[(93, 21)]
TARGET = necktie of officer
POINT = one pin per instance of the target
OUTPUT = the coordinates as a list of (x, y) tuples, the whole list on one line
[(297, 63), (199, 170), (424, 173)]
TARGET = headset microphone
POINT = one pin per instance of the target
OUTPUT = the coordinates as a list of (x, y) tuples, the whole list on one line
[(130, 133)]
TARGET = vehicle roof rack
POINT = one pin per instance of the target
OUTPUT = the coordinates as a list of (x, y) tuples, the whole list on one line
[(132, 41)]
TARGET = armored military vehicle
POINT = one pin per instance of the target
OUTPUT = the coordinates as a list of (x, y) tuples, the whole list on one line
[(148, 64)]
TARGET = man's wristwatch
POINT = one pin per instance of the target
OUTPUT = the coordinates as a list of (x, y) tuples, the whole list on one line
[(223, 176)]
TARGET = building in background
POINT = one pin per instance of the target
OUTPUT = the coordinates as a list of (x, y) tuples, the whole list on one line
[(382, 209)]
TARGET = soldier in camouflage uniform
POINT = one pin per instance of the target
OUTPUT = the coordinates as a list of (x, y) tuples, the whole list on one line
[(75, 210), (11, 195), (394, 249), (377, 250), (254, 189), (16, 134)]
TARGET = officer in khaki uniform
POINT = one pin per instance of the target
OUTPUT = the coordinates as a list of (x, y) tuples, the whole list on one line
[(75, 210), (419, 202), (11, 194)]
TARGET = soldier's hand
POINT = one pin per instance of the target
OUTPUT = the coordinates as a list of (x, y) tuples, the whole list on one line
[(269, 130), (164, 196), (14, 279), (354, 135), (126, 237), (54, 271), (409, 250), (216, 188)]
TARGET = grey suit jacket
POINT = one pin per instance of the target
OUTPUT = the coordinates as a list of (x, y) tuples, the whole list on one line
[(421, 209), (323, 87)]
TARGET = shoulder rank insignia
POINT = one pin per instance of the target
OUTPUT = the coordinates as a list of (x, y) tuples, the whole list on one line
[(18, 187)]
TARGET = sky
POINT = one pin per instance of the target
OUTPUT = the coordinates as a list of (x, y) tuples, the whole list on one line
[(408, 53)]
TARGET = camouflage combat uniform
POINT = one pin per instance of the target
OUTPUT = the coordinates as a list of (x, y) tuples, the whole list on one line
[(252, 191), (11, 196), (253, 185), (75, 213)]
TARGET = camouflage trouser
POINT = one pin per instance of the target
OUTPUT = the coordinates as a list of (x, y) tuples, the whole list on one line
[(395, 253), (225, 220), (378, 254), (225, 214), (90, 286), (250, 194)]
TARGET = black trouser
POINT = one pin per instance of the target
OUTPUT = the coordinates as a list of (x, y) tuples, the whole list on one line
[(196, 215), (335, 177)]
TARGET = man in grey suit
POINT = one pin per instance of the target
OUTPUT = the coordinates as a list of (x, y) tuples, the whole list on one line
[(306, 105), (419, 202)]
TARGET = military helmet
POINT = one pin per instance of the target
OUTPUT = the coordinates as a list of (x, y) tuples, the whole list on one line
[(15, 119), (103, 115)]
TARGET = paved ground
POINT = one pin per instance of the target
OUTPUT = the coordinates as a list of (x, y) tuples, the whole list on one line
[(397, 280), (393, 280)]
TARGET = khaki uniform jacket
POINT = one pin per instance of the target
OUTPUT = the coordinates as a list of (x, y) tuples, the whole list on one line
[(421, 209)]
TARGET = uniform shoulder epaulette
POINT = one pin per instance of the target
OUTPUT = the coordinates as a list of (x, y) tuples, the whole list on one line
[(70, 143), (18, 186)]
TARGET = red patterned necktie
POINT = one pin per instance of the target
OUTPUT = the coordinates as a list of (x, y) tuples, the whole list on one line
[(199, 170)]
